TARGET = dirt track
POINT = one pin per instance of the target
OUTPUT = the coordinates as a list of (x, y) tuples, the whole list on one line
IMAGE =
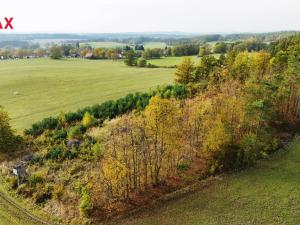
[(28, 216)]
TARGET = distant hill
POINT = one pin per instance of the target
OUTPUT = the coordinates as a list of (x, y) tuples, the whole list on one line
[(142, 37)]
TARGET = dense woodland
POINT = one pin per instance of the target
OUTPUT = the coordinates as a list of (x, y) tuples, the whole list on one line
[(222, 114)]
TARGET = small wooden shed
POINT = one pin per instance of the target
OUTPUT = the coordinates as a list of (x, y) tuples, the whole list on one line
[(20, 171)]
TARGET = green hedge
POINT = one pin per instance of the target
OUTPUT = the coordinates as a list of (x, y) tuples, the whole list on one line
[(112, 108)]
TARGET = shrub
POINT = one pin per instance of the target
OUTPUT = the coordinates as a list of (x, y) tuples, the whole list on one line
[(54, 166), (46, 124), (13, 183), (25, 190), (57, 192), (54, 153), (75, 132), (37, 159), (251, 148), (35, 179), (97, 150), (230, 157), (71, 154), (245, 154), (183, 167), (88, 120), (72, 117), (142, 62), (149, 65), (85, 203), (59, 134), (215, 167), (43, 194)]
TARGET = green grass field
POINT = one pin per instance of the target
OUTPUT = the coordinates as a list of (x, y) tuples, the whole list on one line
[(9, 215), (154, 45), (173, 61), (170, 61), (103, 44), (265, 195), (110, 44), (46, 87)]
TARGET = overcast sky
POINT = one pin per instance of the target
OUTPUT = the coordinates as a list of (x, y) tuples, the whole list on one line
[(103, 16)]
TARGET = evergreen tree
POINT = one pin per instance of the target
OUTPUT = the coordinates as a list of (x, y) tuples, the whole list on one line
[(7, 137)]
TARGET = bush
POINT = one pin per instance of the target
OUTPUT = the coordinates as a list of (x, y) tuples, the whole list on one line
[(85, 203), (54, 153), (142, 62), (25, 190), (57, 192), (88, 120), (252, 149), (97, 150), (13, 183), (149, 65), (215, 167), (35, 179), (44, 194), (183, 167), (59, 134), (238, 156), (75, 132), (71, 154), (46, 124), (37, 159)]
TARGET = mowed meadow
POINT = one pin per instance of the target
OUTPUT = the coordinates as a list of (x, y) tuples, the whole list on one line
[(172, 61), (32, 89), (176, 60), (111, 44)]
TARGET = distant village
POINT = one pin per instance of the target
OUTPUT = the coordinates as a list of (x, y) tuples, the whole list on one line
[(66, 50)]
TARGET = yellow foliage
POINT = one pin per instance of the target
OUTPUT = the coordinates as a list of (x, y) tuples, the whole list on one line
[(215, 138), (160, 112), (260, 65), (88, 120), (115, 174), (185, 71), (62, 119)]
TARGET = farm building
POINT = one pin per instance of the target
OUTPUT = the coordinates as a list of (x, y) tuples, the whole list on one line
[(90, 55)]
